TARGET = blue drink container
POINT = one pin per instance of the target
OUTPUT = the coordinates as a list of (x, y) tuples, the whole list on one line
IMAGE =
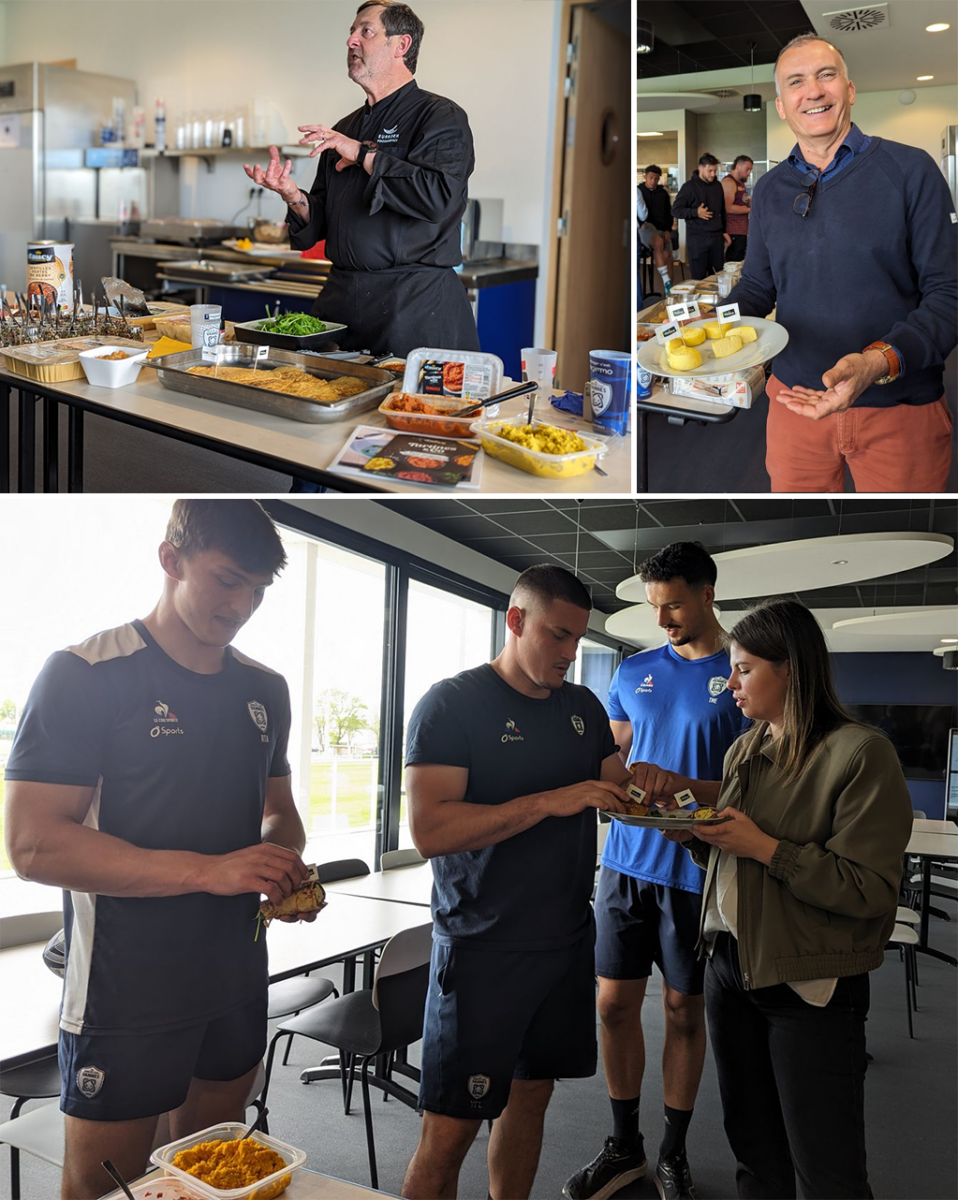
[(610, 390)]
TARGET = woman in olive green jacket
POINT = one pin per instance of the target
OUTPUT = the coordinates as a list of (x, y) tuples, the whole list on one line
[(800, 895)]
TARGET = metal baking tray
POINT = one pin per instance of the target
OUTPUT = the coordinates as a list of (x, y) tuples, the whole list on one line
[(207, 271), (184, 229), (172, 371)]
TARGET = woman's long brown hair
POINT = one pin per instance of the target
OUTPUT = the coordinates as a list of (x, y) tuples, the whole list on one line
[(784, 631)]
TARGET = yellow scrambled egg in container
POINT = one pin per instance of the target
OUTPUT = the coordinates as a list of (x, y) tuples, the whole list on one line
[(546, 451), (220, 1163)]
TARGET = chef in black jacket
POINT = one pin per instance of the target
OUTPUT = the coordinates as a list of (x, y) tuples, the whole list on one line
[(388, 198), (701, 204)]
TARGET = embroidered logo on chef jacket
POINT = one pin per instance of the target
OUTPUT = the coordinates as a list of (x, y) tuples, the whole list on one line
[(645, 685), (477, 1086), (260, 720), (90, 1080), (716, 688), (388, 136), (578, 724), (165, 722), (513, 733)]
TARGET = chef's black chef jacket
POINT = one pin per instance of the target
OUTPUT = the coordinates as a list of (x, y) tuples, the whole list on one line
[(394, 236)]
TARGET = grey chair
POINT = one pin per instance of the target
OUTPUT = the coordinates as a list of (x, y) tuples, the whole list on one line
[(368, 1025), (38, 1078), (400, 858), (303, 991)]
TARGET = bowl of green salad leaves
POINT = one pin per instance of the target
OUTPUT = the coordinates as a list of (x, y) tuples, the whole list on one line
[(289, 331)]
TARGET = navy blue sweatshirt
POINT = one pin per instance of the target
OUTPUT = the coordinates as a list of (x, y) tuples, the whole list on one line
[(874, 260)]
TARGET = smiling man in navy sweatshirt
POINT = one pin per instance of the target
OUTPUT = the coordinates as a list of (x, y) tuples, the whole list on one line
[(853, 239)]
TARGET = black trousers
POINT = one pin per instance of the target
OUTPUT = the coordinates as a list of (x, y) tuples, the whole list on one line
[(736, 251), (705, 255), (791, 1078)]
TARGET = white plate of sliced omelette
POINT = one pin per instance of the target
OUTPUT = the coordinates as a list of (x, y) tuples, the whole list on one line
[(708, 349)]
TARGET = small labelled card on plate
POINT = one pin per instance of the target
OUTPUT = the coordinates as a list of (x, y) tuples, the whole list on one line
[(688, 310), (684, 797), (635, 793), (727, 312), (312, 875), (667, 332)]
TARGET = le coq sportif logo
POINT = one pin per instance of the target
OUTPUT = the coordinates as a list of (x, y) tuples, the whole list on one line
[(165, 721), (513, 733)]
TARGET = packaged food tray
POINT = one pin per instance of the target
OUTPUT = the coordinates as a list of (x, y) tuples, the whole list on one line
[(59, 362), (444, 425), (263, 1189), (459, 374), (535, 462)]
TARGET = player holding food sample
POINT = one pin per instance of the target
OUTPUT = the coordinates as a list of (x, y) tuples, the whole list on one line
[(668, 704), (149, 780)]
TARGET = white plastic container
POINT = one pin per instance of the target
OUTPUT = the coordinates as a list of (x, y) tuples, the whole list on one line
[(477, 377), (110, 372), (161, 1187), (229, 1131)]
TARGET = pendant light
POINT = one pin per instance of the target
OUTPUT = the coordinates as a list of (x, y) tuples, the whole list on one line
[(752, 102)]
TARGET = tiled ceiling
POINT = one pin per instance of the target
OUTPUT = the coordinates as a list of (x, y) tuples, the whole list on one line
[(603, 539), (713, 35)]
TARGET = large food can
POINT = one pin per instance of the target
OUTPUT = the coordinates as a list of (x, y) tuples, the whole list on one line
[(608, 393), (50, 273)]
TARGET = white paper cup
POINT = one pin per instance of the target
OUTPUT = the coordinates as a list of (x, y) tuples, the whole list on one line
[(539, 365), (205, 324)]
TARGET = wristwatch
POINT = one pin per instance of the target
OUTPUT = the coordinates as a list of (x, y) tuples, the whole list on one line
[(361, 156), (894, 366)]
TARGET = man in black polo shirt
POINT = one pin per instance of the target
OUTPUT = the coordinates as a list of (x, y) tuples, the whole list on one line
[(505, 765), (149, 780), (701, 204)]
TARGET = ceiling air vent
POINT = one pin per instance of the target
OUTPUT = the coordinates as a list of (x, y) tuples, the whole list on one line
[(858, 20), (721, 93)]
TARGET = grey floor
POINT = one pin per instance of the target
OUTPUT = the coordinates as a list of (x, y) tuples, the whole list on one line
[(731, 457), (911, 1097)]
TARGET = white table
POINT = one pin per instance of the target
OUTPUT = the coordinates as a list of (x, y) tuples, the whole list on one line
[(401, 885), (306, 1185), (348, 928), (927, 825), (277, 443), (929, 846)]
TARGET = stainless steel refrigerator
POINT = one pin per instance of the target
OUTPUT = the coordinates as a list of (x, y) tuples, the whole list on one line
[(49, 117), (948, 159)]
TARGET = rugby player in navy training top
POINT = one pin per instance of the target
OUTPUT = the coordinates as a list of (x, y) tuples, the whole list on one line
[(149, 779), (669, 705), (505, 766)]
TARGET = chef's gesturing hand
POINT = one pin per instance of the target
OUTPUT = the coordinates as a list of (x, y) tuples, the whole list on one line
[(328, 139), (275, 178), (845, 382)]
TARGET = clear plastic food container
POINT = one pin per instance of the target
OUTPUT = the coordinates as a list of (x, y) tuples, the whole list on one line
[(444, 425), (459, 374), (536, 462), (228, 1131)]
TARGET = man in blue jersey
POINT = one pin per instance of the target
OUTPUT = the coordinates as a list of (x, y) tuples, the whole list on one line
[(669, 706), (505, 767), (149, 780)]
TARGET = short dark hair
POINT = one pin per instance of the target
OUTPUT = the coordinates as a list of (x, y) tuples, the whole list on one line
[(680, 560), (398, 19), (743, 158), (708, 160), (240, 528), (547, 583), (652, 170), (802, 40)]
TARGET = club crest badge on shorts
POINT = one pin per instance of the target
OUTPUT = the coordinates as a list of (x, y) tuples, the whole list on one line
[(478, 1085), (90, 1080), (578, 725)]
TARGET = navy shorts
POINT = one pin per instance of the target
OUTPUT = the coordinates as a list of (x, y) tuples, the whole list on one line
[(497, 1015), (639, 923), (120, 1077)]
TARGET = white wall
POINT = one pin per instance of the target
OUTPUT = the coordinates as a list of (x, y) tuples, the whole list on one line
[(881, 114), (497, 58)]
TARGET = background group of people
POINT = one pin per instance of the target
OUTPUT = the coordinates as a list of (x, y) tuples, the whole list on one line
[(149, 778)]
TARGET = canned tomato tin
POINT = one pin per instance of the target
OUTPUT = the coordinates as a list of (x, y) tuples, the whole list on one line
[(50, 272)]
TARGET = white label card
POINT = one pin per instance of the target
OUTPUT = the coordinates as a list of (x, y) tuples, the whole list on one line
[(684, 797), (262, 352), (667, 332), (635, 793), (693, 310), (727, 312), (313, 873), (678, 312)]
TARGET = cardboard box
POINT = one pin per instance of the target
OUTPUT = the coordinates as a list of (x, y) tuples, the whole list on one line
[(739, 388)]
